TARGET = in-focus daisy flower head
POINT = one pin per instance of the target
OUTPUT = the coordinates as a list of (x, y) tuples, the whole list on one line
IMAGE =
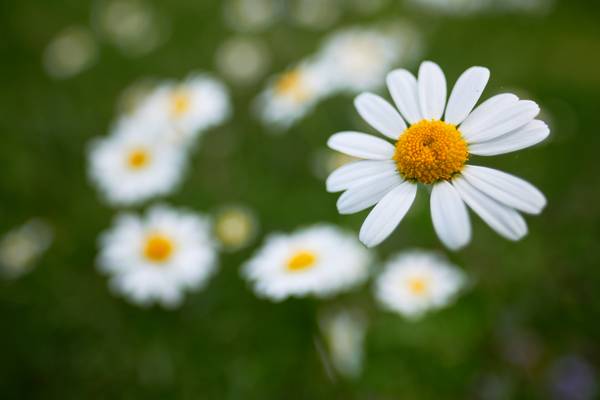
[(359, 58), (321, 261), (291, 95), (156, 258), (198, 103), (21, 248), (235, 227), (416, 281), (432, 143), (136, 162)]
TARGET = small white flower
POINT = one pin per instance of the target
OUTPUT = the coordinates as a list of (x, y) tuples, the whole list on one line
[(136, 163), (158, 257), (417, 281), (345, 332), (432, 151), (320, 260), (358, 59), (291, 95), (190, 107), (235, 227)]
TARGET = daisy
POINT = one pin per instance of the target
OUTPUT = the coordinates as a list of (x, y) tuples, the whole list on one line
[(358, 59), (158, 257), (291, 95), (321, 261), (432, 148), (136, 163), (235, 227), (192, 106), (416, 281)]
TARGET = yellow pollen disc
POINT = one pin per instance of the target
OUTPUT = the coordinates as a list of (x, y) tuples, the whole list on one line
[(302, 260), (290, 84), (430, 151), (417, 286), (138, 158), (158, 248), (180, 103)]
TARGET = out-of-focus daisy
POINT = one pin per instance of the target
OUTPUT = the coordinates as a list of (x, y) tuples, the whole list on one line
[(250, 15), (462, 7), (432, 148), (190, 107), (243, 60), (136, 162), (235, 227), (417, 281), (291, 95), (320, 261), (344, 332), (22, 247), (357, 59), (134, 26), (70, 52), (158, 257), (316, 14)]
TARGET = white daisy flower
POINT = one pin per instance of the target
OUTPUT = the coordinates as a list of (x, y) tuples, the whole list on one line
[(192, 106), (158, 257), (321, 260), (136, 163), (417, 281), (358, 58), (432, 148), (291, 95)]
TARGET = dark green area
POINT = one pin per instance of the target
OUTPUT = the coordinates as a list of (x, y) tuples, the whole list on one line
[(63, 335)]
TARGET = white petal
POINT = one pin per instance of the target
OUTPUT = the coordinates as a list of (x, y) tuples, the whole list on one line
[(361, 145), (466, 93), (504, 220), (367, 194), (380, 115), (403, 88), (432, 90), (481, 115), (501, 121), (505, 188), (449, 215), (387, 214), (526, 136), (355, 172)]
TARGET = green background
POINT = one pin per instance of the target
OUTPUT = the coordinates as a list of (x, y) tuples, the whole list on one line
[(63, 335)]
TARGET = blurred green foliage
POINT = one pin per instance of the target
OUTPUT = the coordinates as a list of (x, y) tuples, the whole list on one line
[(64, 335)]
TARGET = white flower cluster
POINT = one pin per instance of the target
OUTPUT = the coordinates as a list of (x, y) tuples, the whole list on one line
[(349, 61)]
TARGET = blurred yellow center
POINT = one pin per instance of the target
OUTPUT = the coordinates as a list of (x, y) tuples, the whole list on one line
[(430, 151), (158, 248), (301, 261), (180, 103), (138, 158), (290, 84), (417, 286)]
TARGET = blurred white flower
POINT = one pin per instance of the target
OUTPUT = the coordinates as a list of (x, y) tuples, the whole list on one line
[(414, 282), (434, 136), (291, 95), (367, 7), (190, 107), (134, 26), (235, 227), (357, 59), (158, 257), (243, 60), (344, 332), (321, 260), (462, 7), (250, 15), (136, 162), (316, 14), (72, 51), (22, 247)]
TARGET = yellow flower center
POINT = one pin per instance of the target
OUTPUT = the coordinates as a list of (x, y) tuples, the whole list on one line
[(138, 158), (180, 103), (418, 286), (291, 84), (430, 151), (158, 248), (302, 260)]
